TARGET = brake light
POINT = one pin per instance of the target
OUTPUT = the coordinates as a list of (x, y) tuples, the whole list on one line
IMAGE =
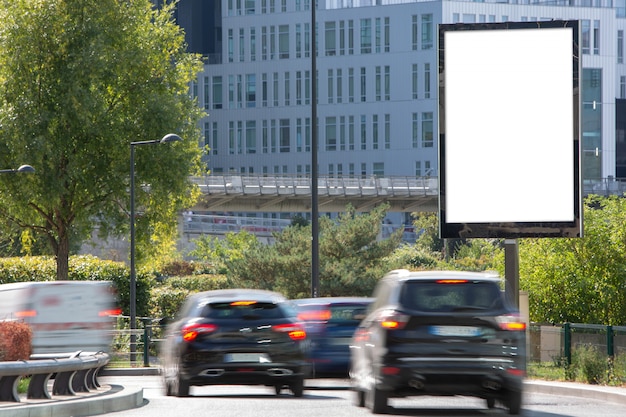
[(191, 332), (242, 303), (511, 323), (295, 331), (314, 315), (393, 320), (451, 281), (112, 312), (26, 313)]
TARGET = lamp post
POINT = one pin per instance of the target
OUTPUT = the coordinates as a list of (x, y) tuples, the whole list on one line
[(171, 137), (22, 169)]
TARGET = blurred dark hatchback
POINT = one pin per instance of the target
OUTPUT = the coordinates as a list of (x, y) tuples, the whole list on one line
[(330, 323), (235, 337), (439, 333)]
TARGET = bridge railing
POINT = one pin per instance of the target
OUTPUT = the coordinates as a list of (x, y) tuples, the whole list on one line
[(332, 186), (74, 372), (356, 186)]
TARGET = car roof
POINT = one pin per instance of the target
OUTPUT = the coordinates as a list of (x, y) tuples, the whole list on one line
[(240, 294), (406, 275), (333, 300)]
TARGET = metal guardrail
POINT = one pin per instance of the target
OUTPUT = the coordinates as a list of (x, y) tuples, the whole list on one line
[(74, 372)]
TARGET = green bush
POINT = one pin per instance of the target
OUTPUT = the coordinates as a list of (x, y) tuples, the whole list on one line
[(167, 298), (15, 341), (591, 365)]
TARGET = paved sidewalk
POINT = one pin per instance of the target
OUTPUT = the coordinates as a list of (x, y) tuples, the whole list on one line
[(113, 398)]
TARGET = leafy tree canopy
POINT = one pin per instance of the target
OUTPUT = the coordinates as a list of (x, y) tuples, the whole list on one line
[(79, 81)]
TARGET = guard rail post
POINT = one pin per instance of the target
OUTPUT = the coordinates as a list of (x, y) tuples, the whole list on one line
[(147, 328)]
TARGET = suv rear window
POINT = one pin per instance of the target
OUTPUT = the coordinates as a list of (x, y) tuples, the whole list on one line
[(443, 297), (242, 309)]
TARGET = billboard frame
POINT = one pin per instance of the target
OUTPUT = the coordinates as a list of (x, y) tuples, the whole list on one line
[(566, 222)]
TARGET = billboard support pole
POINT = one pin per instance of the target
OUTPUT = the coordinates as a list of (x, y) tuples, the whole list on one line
[(511, 271)]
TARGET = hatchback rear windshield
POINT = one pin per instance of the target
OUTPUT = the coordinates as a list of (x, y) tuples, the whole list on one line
[(432, 296), (242, 309)]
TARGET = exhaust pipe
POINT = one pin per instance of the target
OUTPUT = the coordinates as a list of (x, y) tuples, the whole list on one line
[(279, 372), (417, 382), (492, 384), (212, 372)]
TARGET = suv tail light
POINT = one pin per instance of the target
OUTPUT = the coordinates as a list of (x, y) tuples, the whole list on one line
[(191, 331), (392, 320), (295, 331), (511, 322)]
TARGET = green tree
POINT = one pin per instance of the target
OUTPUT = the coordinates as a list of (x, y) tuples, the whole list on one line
[(79, 81), (351, 257), (218, 252), (583, 279)]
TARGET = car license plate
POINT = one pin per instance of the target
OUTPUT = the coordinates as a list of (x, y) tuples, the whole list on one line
[(456, 331), (341, 341), (247, 357)]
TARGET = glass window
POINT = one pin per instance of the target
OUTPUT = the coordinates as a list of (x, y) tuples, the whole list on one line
[(285, 143), (375, 131), (331, 134), (252, 44), (366, 36), (596, 37), (451, 298), (206, 98), (287, 90), (283, 41), (620, 46), (251, 90), (378, 169), (427, 130), (251, 136), (330, 39), (586, 35), (217, 92), (427, 31)]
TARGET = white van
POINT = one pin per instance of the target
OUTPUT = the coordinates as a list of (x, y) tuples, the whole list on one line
[(65, 316)]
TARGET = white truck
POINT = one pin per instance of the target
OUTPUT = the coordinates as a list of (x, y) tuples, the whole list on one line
[(65, 316)]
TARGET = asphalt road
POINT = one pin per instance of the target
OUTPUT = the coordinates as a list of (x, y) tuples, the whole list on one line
[(331, 398)]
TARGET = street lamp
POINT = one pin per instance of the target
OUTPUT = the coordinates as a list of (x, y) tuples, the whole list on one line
[(22, 169), (171, 137)]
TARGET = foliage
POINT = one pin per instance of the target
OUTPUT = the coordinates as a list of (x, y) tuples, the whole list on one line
[(167, 298), (76, 87), (351, 257), (580, 280), (15, 341), (590, 365), (218, 252)]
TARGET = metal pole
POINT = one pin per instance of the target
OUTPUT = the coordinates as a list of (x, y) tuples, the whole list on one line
[(511, 271), (171, 137), (314, 168), (133, 278)]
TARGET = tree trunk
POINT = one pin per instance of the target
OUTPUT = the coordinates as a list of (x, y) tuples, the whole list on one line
[(62, 257)]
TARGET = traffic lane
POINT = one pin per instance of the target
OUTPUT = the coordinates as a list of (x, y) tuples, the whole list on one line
[(325, 398)]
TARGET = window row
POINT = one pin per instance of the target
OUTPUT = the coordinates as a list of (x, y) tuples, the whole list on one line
[(339, 133), (351, 170), (344, 37), (342, 85), (249, 7)]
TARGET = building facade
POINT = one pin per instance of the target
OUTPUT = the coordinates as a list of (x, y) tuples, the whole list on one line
[(377, 81)]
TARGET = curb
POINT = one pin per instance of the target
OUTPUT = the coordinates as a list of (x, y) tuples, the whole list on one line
[(117, 398), (147, 371), (597, 392)]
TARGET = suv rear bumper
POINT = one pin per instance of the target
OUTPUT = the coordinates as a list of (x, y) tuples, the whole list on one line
[(479, 377)]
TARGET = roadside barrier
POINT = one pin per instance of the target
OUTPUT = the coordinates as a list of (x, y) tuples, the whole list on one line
[(73, 372)]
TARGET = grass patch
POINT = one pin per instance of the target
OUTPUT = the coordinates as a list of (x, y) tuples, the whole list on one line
[(548, 371)]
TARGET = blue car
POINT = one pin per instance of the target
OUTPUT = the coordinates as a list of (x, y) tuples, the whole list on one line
[(330, 323)]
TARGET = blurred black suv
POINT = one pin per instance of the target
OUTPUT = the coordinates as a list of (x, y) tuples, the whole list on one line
[(241, 336), (439, 333)]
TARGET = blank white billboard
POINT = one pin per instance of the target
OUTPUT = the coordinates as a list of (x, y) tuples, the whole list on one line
[(509, 127)]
